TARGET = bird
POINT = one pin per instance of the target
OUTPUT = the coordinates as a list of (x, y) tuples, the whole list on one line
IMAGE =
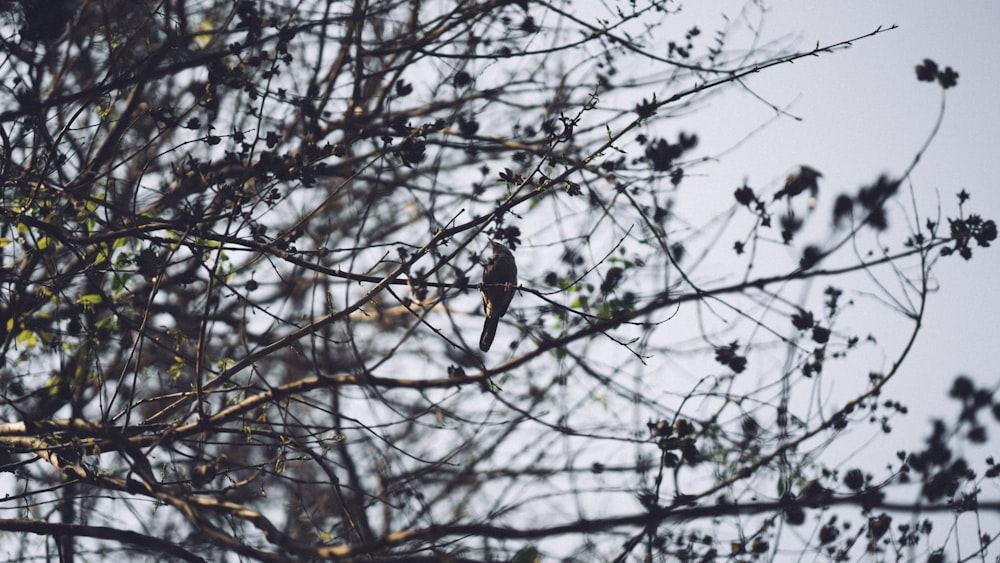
[(799, 182), (498, 287)]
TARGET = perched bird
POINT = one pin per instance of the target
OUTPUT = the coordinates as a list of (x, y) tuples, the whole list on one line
[(799, 182), (499, 284)]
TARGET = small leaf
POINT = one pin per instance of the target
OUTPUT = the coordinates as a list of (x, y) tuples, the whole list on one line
[(89, 300), (27, 338)]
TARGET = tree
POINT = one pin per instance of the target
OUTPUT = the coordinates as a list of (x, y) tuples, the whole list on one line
[(242, 244)]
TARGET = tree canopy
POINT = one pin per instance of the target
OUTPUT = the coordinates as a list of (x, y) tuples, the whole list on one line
[(242, 250)]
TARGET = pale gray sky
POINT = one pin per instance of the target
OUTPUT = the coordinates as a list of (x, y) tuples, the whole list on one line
[(864, 112)]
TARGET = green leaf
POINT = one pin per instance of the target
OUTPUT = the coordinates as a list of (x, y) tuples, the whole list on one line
[(27, 338), (118, 282), (89, 300), (177, 369)]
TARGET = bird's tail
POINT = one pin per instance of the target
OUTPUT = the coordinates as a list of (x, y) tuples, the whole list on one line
[(489, 332)]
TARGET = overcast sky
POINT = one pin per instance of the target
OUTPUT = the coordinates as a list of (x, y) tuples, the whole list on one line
[(869, 100), (863, 113)]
